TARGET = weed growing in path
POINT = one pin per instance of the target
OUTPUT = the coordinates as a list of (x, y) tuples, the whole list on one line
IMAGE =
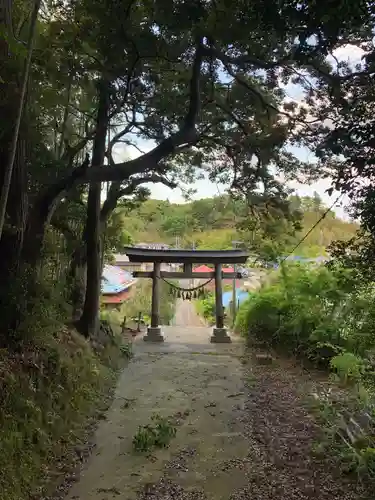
[(127, 403), (155, 435), (126, 350)]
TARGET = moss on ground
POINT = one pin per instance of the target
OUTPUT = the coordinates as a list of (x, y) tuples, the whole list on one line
[(48, 392)]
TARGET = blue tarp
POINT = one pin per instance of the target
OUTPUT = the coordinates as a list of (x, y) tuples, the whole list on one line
[(115, 279), (321, 258), (241, 296), (297, 258)]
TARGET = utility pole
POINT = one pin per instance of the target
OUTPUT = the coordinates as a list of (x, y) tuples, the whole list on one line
[(234, 294)]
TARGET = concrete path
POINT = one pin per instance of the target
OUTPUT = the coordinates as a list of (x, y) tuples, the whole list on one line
[(198, 385), (186, 315), (241, 430)]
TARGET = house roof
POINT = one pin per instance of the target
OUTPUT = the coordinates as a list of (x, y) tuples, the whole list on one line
[(228, 270), (115, 280), (120, 257), (117, 298), (202, 269)]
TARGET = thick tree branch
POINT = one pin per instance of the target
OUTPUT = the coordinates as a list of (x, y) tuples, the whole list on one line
[(194, 104), (186, 135), (246, 59), (46, 204), (116, 192)]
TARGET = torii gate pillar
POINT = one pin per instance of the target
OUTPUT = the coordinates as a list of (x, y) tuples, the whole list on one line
[(154, 332), (219, 333)]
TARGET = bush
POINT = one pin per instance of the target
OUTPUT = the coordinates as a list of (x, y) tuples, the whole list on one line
[(205, 307), (157, 435), (242, 320), (48, 391), (328, 316), (315, 312)]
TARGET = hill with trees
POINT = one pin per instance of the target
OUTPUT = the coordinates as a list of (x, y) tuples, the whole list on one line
[(216, 222)]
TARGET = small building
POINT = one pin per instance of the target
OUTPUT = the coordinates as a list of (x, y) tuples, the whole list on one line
[(116, 285), (205, 269)]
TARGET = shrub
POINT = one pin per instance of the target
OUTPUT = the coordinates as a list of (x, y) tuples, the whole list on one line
[(326, 315), (48, 390), (205, 307), (348, 366), (314, 312)]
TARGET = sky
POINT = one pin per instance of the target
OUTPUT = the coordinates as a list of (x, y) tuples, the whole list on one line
[(205, 189)]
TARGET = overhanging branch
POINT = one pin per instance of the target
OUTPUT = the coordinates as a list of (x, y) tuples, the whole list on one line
[(247, 59), (186, 135), (116, 192)]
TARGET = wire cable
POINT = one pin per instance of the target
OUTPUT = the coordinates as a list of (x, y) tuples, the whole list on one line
[(312, 228)]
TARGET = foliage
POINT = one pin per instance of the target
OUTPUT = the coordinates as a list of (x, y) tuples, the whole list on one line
[(341, 415), (155, 435), (348, 366), (214, 223), (126, 350), (187, 79), (189, 89), (327, 316), (317, 313), (116, 235), (241, 324), (47, 394), (206, 308)]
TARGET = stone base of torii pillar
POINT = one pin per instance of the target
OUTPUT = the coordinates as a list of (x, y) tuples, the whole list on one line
[(154, 334), (220, 336)]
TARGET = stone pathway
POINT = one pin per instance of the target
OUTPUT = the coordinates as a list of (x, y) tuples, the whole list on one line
[(242, 431)]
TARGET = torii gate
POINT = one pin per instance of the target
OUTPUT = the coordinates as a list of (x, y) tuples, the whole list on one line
[(187, 258)]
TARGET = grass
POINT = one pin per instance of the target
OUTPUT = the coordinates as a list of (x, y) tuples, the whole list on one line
[(338, 412), (158, 434), (48, 392)]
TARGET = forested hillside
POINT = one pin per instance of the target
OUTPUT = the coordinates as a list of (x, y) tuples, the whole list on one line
[(216, 222)]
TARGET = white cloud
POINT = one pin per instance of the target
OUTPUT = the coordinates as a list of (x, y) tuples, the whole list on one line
[(123, 152), (349, 53)]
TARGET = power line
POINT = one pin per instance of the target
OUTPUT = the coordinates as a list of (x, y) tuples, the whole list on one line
[(312, 228)]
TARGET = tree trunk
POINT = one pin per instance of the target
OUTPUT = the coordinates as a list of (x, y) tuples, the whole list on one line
[(89, 321), (13, 283), (66, 112), (15, 205), (78, 281), (16, 125)]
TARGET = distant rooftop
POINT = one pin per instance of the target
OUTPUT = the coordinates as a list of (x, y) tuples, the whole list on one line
[(154, 246), (120, 257), (186, 256)]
